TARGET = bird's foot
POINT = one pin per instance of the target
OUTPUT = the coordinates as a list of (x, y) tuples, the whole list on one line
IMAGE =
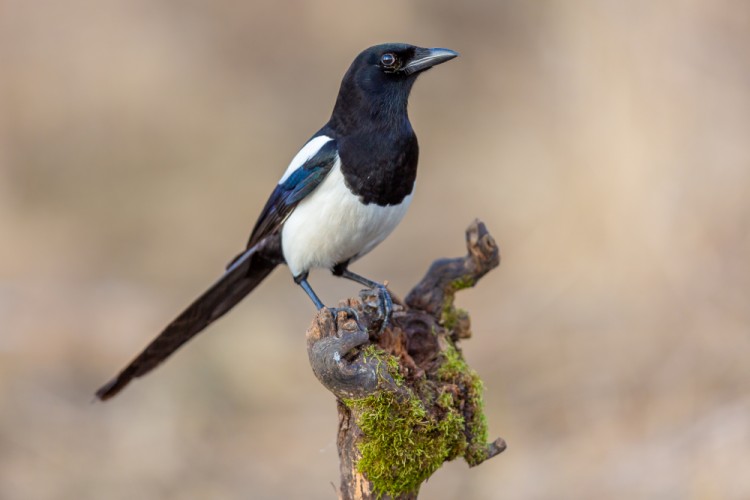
[(385, 304), (350, 312)]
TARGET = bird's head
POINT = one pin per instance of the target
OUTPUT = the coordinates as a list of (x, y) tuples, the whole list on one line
[(380, 77), (399, 60), (394, 63)]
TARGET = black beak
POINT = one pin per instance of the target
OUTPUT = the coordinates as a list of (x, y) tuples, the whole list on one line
[(426, 58)]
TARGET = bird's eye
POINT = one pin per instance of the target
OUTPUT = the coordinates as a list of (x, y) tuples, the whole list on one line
[(388, 60)]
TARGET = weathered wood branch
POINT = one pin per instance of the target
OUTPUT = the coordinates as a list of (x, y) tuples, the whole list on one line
[(407, 401)]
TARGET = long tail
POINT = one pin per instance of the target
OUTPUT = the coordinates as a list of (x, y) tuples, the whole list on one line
[(241, 277)]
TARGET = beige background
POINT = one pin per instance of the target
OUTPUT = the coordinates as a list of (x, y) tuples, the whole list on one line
[(605, 144)]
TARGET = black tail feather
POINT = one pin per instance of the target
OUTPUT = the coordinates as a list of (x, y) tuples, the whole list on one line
[(242, 276)]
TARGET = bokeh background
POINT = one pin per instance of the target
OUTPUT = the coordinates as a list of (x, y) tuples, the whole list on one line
[(606, 144)]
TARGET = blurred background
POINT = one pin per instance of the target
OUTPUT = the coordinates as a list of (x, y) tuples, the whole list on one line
[(604, 143)]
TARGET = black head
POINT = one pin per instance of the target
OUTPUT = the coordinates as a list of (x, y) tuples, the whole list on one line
[(380, 78), (397, 61)]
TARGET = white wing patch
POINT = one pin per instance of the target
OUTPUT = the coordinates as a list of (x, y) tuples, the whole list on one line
[(307, 152)]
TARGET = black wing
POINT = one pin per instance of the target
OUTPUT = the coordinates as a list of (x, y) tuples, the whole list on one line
[(294, 189)]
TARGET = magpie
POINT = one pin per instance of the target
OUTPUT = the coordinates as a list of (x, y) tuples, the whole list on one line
[(342, 194)]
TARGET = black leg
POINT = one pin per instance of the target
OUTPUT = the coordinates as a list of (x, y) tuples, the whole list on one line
[(386, 301), (301, 280)]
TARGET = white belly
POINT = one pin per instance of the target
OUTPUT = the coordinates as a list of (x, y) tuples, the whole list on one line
[(331, 226)]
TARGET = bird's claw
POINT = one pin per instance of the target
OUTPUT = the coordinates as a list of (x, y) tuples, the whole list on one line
[(386, 306), (348, 310)]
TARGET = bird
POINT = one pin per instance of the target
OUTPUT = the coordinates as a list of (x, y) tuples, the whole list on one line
[(342, 194)]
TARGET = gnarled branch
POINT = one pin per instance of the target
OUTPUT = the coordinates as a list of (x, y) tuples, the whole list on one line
[(407, 400)]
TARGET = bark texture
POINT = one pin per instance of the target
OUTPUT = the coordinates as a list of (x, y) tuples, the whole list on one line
[(407, 401)]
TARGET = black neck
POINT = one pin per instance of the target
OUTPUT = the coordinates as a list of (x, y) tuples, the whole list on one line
[(357, 108), (377, 147)]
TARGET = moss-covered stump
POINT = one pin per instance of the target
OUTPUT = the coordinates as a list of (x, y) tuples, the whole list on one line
[(407, 399)]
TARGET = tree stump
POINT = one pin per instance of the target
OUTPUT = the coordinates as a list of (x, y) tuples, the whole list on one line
[(407, 400)]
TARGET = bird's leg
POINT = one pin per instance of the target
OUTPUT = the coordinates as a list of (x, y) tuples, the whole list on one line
[(301, 280), (386, 302)]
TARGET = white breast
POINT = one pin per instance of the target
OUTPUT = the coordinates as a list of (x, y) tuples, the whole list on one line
[(331, 226)]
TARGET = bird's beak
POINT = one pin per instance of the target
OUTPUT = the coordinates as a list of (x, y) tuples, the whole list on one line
[(426, 58)]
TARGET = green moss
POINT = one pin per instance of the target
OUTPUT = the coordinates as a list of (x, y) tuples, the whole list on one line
[(403, 443), (453, 366), (445, 400), (385, 360), (462, 283), (408, 434), (476, 449), (450, 316), (455, 370)]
